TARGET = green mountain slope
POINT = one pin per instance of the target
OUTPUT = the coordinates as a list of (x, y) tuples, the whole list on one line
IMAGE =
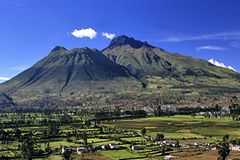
[(67, 72), (127, 69), (141, 57)]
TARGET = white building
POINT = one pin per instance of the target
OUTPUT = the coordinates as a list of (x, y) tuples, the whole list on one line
[(235, 148), (133, 148)]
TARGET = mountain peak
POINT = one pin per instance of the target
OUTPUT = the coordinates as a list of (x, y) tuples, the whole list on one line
[(125, 40), (58, 48), (82, 50)]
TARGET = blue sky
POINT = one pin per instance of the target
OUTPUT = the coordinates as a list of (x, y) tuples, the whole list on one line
[(29, 29)]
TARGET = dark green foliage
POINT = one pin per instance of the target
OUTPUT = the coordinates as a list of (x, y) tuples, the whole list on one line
[(53, 129), (163, 151), (18, 133), (177, 144), (225, 138), (67, 155), (234, 111), (158, 111), (223, 150), (28, 147), (144, 131), (159, 137), (48, 147)]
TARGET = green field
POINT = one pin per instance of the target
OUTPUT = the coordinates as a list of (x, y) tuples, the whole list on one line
[(123, 132), (116, 155), (183, 127)]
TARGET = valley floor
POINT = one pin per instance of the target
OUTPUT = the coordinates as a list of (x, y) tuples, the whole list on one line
[(77, 136)]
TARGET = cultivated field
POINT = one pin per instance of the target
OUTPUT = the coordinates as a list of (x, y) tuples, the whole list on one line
[(46, 136)]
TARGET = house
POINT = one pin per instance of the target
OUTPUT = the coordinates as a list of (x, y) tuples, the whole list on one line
[(168, 157), (95, 148), (81, 150), (65, 149), (103, 147), (78, 150), (235, 147), (133, 148), (112, 146)]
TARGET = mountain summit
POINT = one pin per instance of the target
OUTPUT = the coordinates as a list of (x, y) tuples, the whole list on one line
[(138, 57), (125, 40)]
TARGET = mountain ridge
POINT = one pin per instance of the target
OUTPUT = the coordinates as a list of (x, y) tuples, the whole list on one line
[(175, 64), (125, 66)]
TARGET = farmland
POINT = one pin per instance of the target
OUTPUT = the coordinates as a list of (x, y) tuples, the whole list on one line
[(60, 134)]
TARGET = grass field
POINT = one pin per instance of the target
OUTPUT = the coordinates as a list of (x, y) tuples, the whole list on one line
[(121, 154), (183, 127)]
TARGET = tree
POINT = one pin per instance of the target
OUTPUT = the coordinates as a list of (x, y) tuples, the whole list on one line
[(48, 147), (159, 137), (66, 119), (53, 129), (117, 111), (163, 150), (158, 111), (144, 131), (234, 111), (177, 144), (67, 155), (84, 137), (223, 148), (28, 147), (101, 131), (17, 133), (88, 123), (225, 138)]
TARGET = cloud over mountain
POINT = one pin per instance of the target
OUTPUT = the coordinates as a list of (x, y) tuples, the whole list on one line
[(108, 35), (81, 33), (4, 78), (220, 64)]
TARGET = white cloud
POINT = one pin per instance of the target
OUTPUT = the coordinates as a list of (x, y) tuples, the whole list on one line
[(4, 78), (214, 36), (108, 35), (220, 64), (88, 32), (213, 48)]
